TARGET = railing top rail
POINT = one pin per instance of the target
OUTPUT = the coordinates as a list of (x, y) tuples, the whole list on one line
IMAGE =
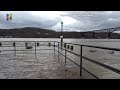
[(103, 65), (96, 62), (70, 43), (27, 41), (108, 48)]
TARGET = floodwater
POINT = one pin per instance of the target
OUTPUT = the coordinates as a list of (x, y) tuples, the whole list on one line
[(107, 57)]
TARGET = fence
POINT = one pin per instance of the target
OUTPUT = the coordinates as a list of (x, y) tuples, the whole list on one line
[(18, 46), (85, 58)]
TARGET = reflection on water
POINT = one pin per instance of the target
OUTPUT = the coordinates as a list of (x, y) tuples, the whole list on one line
[(108, 57)]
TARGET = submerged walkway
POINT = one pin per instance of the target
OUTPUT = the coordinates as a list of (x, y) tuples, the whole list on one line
[(25, 66), (46, 60)]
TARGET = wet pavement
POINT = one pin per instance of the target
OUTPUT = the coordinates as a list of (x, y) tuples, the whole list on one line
[(45, 66)]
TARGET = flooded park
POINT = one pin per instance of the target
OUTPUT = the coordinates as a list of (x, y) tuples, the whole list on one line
[(43, 63)]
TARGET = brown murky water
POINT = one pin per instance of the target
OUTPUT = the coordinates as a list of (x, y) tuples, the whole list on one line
[(104, 56)]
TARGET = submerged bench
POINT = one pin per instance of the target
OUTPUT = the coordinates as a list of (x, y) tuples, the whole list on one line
[(29, 47)]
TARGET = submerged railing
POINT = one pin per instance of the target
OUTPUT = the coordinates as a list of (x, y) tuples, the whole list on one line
[(86, 58), (58, 47), (26, 45)]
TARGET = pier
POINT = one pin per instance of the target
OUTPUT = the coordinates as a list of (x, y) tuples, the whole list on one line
[(47, 60)]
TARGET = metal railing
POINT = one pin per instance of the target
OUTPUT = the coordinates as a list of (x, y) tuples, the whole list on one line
[(56, 48), (86, 58), (27, 45)]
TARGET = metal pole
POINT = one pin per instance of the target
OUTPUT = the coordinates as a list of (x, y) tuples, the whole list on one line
[(14, 48), (81, 60), (26, 44), (65, 55), (54, 47), (61, 29), (35, 50), (61, 33), (58, 51), (109, 35)]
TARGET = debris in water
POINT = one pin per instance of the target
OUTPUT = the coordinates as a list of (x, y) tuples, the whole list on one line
[(112, 52), (115, 52), (93, 50), (29, 47)]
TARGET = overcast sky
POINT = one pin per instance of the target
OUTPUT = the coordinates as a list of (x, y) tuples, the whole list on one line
[(73, 20)]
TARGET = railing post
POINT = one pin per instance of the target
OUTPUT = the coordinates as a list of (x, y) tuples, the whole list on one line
[(81, 60), (58, 51), (54, 48), (26, 44), (14, 48), (61, 43), (35, 50), (65, 54)]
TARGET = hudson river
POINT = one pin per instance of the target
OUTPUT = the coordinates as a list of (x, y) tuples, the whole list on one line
[(104, 56)]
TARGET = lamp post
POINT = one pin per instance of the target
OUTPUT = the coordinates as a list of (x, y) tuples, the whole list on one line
[(61, 33)]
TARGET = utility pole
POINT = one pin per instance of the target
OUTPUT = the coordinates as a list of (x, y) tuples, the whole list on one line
[(109, 35), (61, 33)]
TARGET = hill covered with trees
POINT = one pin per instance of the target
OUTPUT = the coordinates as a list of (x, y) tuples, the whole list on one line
[(32, 32)]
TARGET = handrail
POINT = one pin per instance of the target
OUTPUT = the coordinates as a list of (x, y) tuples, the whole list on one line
[(96, 62), (28, 41), (115, 49), (91, 60), (79, 66), (34, 44)]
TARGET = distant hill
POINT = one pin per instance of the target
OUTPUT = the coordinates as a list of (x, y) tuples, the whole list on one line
[(27, 32), (32, 32)]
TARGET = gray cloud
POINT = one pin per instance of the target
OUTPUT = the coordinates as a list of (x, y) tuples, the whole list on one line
[(84, 20), (96, 19), (26, 19)]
